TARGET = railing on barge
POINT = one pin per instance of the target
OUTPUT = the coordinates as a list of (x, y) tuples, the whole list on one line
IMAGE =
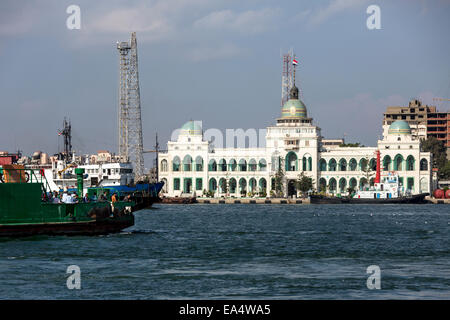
[(19, 174)]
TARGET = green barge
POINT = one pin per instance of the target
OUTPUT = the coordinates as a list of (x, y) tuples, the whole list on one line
[(25, 208)]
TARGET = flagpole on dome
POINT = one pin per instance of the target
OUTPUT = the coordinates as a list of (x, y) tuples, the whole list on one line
[(295, 63)]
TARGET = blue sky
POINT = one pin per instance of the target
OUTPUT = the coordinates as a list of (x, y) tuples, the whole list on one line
[(216, 61)]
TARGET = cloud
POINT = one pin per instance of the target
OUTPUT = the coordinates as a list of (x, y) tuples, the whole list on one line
[(174, 20), (302, 15), (17, 20), (124, 20), (220, 52), (152, 22), (247, 22), (335, 7)]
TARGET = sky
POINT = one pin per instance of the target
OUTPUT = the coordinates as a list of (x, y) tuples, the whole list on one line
[(218, 61)]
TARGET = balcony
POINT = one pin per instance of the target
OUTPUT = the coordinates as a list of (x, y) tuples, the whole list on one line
[(291, 144)]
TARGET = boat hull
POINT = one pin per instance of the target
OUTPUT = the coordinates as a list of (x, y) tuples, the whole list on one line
[(418, 198), (179, 200), (92, 227), (144, 195)]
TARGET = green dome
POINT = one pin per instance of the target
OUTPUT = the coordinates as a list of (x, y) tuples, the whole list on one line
[(399, 127), (293, 108), (191, 128)]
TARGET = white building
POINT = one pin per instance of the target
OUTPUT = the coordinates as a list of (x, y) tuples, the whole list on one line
[(193, 165)]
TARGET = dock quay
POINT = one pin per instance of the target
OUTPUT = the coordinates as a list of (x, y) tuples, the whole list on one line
[(252, 201), (281, 201), (438, 201)]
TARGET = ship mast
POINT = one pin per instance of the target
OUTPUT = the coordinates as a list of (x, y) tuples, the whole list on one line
[(66, 132)]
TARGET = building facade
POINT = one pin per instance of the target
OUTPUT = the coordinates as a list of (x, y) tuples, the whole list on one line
[(425, 121), (192, 165)]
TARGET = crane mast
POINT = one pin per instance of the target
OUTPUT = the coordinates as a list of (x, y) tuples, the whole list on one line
[(129, 115)]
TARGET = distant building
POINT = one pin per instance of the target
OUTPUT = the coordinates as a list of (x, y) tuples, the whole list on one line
[(425, 121), (8, 158), (330, 143), (104, 156)]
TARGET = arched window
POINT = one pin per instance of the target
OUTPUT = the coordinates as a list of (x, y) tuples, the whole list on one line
[(373, 164), (223, 187), (262, 165), (252, 184), (165, 186), (332, 166), (410, 183), (423, 164), (342, 165), (232, 185), (262, 185), (398, 163), (322, 185), (342, 184), (410, 163), (252, 165), (164, 165), (332, 184), (176, 163), (387, 163), (243, 186), (307, 162), (212, 184), (363, 184), (363, 164), (291, 161), (199, 163), (212, 166), (352, 164), (222, 165), (232, 165), (242, 165), (187, 163), (322, 165), (352, 183)]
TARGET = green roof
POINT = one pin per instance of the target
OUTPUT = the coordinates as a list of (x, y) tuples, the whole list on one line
[(191, 128), (293, 108), (399, 127)]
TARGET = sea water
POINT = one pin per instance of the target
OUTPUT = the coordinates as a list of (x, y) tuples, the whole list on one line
[(243, 251)]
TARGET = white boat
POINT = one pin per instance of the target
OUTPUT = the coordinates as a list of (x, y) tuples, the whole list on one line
[(109, 174), (389, 187), (388, 191)]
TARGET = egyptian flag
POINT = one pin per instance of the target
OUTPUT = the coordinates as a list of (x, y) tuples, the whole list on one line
[(295, 62)]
